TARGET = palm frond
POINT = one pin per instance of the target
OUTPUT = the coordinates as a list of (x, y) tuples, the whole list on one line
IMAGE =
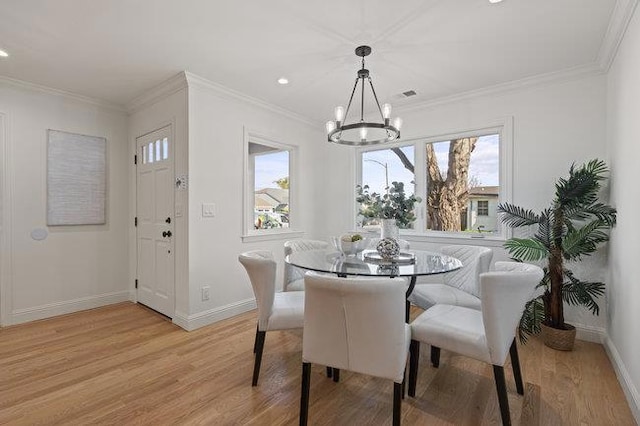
[(544, 229), (602, 211), (531, 319), (583, 184), (526, 249), (577, 292), (584, 240), (515, 216)]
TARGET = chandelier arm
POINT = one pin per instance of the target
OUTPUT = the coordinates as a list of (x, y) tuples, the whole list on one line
[(376, 98), (362, 100), (344, 120)]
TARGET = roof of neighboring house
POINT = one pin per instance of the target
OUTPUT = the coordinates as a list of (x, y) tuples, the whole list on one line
[(484, 191), (278, 194), (264, 201)]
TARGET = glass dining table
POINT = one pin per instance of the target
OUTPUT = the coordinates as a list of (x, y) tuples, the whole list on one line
[(410, 264)]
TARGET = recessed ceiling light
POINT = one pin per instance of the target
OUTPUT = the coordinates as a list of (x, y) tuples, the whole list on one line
[(283, 80), (494, 1), (3, 54)]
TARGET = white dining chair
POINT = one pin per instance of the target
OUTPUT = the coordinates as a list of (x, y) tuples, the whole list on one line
[(487, 334), (276, 311), (355, 324), (460, 287), (294, 277)]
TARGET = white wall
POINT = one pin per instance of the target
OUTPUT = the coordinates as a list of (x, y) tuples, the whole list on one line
[(553, 126), (216, 139), (76, 267), (162, 106), (623, 124)]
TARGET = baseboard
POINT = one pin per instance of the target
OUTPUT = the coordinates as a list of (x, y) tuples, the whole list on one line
[(66, 307), (590, 333), (200, 319), (630, 390)]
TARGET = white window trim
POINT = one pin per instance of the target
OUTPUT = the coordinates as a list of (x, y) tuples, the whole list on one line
[(503, 127), (248, 233)]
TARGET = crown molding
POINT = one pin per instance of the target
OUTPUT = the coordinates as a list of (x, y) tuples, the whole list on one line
[(534, 81), (13, 82), (159, 92), (197, 81), (620, 17)]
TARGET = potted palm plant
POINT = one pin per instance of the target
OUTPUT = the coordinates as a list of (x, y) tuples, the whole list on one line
[(394, 208), (572, 227)]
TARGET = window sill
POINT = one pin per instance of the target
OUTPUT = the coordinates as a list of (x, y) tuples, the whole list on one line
[(272, 236), (448, 238)]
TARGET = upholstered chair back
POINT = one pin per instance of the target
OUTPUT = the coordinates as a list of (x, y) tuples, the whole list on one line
[(505, 291), (356, 324), (291, 273), (261, 269), (475, 261)]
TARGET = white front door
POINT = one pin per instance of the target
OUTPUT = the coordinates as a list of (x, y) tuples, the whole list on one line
[(155, 220)]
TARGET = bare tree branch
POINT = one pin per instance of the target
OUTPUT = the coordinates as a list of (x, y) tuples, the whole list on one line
[(405, 161)]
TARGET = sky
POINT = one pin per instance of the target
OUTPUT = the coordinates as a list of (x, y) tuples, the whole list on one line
[(484, 164), (271, 167)]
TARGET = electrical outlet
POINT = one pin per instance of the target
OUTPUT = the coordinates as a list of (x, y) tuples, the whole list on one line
[(208, 210), (205, 293)]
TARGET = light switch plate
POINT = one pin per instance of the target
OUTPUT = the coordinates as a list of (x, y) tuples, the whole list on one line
[(208, 210)]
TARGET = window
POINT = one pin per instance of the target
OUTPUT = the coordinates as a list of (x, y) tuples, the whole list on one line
[(151, 152), (483, 207), (268, 186), (460, 178), (380, 168)]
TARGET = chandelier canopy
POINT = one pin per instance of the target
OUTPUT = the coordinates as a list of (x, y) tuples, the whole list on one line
[(360, 133)]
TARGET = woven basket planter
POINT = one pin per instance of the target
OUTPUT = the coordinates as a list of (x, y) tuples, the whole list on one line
[(561, 340)]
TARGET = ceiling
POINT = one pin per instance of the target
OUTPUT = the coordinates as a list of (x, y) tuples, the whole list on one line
[(116, 50)]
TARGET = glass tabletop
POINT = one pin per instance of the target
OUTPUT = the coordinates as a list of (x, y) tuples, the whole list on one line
[(422, 263)]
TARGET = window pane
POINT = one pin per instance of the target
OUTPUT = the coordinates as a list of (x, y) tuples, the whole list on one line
[(150, 149), (144, 154), (165, 148), (158, 156), (465, 197), (380, 169), (271, 187)]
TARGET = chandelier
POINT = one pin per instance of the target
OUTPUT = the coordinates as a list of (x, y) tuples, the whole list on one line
[(360, 133)]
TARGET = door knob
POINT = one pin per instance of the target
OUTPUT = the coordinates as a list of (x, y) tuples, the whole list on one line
[(166, 234)]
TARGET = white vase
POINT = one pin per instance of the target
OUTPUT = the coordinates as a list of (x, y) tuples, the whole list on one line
[(389, 229)]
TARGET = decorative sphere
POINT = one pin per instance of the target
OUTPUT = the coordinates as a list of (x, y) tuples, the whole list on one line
[(388, 248)]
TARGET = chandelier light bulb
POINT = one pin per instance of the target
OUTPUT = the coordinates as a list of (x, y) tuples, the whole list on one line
[(386, 111), (331, 125), (339, 113), (397, 123), (363, 133)]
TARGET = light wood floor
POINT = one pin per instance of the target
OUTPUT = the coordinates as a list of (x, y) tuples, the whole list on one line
[(124, 364)]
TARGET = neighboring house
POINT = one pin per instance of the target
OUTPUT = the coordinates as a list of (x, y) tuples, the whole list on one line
[(274, 203), (481, 209)]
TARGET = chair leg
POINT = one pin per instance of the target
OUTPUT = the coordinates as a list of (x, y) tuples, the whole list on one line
[(255, 341), (501, 387), (515, 364), (329, 372), (414, 356), (304, 394), (435, 356), (336, 375), (259, 347), (397, 403), (404, 381)]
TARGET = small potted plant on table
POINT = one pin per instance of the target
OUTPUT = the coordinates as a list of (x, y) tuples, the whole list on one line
[(394, 209)]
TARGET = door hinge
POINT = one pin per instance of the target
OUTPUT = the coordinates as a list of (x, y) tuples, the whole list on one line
[(135, 221), (135, 159), (136, 283)]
